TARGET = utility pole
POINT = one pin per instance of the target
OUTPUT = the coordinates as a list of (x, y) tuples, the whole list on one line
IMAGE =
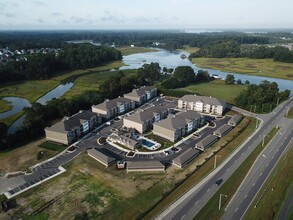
[(215, 163), (256, 123), (220, 200)]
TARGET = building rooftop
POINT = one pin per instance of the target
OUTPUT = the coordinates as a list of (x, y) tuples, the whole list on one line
[(223, 129), (204, 99), (147, 114), (186, 156), (235, 119), (108, 104), (179, 120), (69, 123), (153, 164), (141, 91), (101, 156), (207, 141)]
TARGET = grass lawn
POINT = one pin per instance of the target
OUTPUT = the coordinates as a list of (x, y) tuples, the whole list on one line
[(92, 81), (9, 120), (189, 49), (52, 146), (4, 106), (258, 67), (208, 166), (23, 157), (132, 50), (89, 187), (218, 89), (281, 179), (210, 210), (290, 113)]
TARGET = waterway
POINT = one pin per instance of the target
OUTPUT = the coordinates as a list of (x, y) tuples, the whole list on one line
[(165, 58)]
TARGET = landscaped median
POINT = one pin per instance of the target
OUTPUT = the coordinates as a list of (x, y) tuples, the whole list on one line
[(211, 210)]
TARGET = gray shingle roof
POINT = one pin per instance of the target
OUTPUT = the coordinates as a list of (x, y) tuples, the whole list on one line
[(204, 99), (69, 123), (208, 140), (153, 164), (108, 104), (223, 129), (147, 114), (186, 156), (141, 91), (235, 119), (179, 120), (100, 156)]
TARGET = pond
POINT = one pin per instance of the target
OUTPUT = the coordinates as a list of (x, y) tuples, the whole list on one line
[(17, 105)]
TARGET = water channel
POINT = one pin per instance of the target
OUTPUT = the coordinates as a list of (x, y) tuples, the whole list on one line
[(163, 57)]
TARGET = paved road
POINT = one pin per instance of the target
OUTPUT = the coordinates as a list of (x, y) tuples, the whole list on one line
[(287, 207), (191, 202)]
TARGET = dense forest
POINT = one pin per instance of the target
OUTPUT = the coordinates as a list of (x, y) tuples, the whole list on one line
[(44, 66)]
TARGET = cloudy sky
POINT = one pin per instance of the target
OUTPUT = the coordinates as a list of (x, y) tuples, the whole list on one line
[(147, 14)]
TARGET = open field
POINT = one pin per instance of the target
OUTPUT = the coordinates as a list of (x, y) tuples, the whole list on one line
[(210, 210), (4, 106), (9, 120), (88, 187), (132, 50), (281, 180), (258, 67), (92, 81), (189, 49), (290, 113), (218, 89), (208, 166), (23, 157)]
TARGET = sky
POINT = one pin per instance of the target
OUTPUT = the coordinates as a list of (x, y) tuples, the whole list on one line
[(147, 14)]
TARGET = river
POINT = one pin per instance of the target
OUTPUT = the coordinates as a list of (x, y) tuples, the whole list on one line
[(165, 59)]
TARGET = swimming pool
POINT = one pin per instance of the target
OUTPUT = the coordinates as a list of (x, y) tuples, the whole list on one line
[(147, 143)]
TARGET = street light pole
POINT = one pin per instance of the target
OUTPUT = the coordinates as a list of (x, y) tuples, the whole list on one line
[(220, 200)]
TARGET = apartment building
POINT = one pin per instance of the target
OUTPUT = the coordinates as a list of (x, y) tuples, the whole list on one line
[(176, 126), (142, 94), (203, 104), (70, 129), (144, 119), (111, 108)]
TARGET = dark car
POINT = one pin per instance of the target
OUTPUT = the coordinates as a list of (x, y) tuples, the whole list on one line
[(219, 181)]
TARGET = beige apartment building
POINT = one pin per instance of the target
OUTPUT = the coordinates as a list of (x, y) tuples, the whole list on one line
[(111, 108), (70, 129), (144, 119), (203, 104), (142, 94), (176, 126)]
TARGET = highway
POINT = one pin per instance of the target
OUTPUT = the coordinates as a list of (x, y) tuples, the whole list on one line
[(192, 201)]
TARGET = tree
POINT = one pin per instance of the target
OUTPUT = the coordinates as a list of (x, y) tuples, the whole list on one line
[(184, 74), (247, 82), (202, 76), (170, 70), (149, 73), (165, 70), (230, 79), (239, 82)]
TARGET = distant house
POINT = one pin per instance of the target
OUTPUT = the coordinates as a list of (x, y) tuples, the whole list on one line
[(221, 131), (101, 157), (202, 104), (142, 166), (70, 129), (176, 126), (144, 119), (111, 108), (184, 158), (206, 142), (142, 94), (235, 120)]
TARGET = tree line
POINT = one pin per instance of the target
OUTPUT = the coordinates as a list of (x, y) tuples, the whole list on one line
[(44, 66)]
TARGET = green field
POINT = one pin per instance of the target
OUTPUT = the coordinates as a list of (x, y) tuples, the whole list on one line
[(92, 81), (258, 67), (4, 106), (211, 210), (189, 49), (218, 89), (9, 120), (281, 181), (132, 50)]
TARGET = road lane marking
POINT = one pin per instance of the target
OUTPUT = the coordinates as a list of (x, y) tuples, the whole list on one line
[(253, 184), (182, 216), (260, 174), (236, 209), (208, 189), (245, 196)]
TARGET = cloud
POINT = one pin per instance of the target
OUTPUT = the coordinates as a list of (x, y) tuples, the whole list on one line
[(41, 21), (8, 15), (56, 14), (39, 3)]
